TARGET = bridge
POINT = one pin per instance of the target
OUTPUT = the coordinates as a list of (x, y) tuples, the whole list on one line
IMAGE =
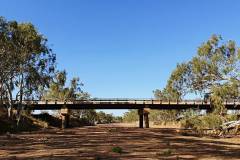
[(142, 105)]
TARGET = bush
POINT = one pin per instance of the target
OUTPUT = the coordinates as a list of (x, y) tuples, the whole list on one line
[(117, 119), (163, 116), (232, 117), (130, 116), (104, 118), (212, 121), (117, 150), (84, 117), (201, 123), (192, 123), (156, 116), (167, 152)]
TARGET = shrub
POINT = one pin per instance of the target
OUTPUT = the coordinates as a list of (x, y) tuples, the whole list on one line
[(232, 117), (200, 123), (167, 152), (211, 121), (117, 150), (104, 118), (163, 116), (130, 116)]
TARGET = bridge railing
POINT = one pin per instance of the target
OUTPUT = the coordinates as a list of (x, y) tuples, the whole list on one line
[(123, 101)]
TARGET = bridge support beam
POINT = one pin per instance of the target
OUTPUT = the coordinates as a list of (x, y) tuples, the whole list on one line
[(146, 119), (140, 114), (65, 118)]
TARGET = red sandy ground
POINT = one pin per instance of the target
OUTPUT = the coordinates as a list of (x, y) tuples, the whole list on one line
[(97, 142)]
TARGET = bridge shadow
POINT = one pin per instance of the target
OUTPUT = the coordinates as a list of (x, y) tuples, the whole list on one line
[(97, 143)]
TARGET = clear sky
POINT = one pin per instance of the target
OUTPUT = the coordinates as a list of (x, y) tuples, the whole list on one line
[(125, 48)]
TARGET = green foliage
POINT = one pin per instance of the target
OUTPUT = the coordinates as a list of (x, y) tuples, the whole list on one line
[(60, 91), (26, 62), (163, 116), (188, 113), (201, 123), (231, 117), (157, 116), (167, 152), (88, 116), (103, 118), (130, 116), (117, 119), (172, 91), (215, 70), (117, 150)]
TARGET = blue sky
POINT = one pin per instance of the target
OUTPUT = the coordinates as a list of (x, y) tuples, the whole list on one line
[(125, 48)]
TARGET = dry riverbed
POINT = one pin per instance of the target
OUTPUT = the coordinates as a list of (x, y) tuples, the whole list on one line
[(97, 142)]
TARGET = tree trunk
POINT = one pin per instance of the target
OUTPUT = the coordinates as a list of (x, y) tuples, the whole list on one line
[(10, 101)]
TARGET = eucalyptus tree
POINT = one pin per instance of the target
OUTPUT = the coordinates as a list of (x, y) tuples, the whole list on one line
[(27, 63), (59, 90), (3, 28), (214, 71), (177, 85)]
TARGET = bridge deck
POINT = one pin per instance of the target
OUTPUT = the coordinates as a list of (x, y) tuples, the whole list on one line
[(123, 104)]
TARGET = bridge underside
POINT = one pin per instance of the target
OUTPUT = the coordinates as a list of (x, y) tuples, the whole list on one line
[(203, 106)]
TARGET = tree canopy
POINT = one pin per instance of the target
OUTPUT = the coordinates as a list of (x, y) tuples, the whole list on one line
[(214, 71), (58, 90), (26, 62)]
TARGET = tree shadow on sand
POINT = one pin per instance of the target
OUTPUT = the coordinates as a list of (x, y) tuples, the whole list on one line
[(97, 142)]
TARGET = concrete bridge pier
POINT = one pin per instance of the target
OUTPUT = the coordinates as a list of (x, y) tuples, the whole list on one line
[(140, 114), (145, 115), (65, 117)]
